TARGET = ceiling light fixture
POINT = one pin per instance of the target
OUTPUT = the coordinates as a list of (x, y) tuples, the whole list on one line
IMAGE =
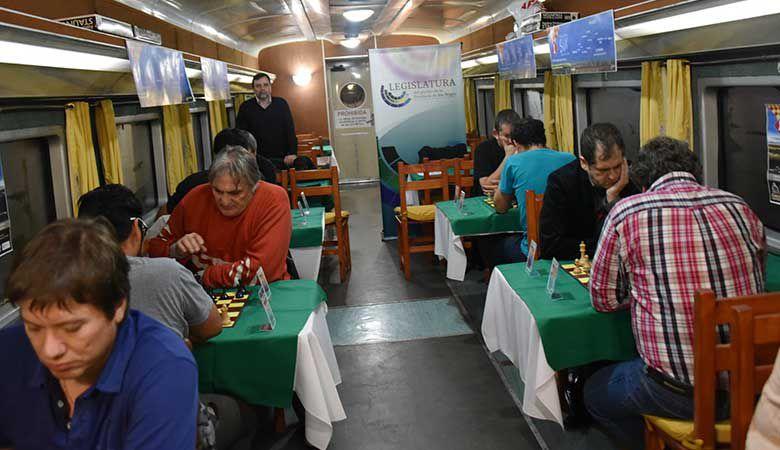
[(351, 43), (482, 20), (357, 15), (302, 78), (33, 55), (469, 63), (490, 59)]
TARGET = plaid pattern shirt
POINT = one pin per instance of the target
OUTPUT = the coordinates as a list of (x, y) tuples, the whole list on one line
[(659, 247)]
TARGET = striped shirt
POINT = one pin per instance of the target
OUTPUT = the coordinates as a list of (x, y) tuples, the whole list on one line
[(659, 247)]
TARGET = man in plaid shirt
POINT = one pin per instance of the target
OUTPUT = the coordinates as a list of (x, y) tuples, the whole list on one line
[(656, 249)]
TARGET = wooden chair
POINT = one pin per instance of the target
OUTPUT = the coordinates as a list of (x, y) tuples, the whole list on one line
[(533, 210), (423, 213), (464, 175), (710, 359), (337, 218)]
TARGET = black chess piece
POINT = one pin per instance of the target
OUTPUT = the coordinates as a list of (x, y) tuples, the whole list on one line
[(224, 296), (241, 291)]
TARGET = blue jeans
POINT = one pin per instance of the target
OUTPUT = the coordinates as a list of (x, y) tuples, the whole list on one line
[(617, 395)]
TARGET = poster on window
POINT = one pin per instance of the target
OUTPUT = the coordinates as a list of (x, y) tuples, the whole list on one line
[(5, 219), (516, 58), (215, 79), (584, 46), (353, 118), (773, 152), (159, 75)]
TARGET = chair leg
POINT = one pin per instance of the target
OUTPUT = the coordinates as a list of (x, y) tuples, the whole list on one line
[(652, 440), (346, 245), (280, 425)]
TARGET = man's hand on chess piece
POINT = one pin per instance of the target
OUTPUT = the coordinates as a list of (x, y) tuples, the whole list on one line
[(190, 244)]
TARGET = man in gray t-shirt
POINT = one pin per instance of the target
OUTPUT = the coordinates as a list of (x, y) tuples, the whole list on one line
[(159, 287)]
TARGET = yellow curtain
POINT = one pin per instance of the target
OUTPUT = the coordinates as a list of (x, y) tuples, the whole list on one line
[(180, 157), (239, 99), (679, 109), (82, 166), (470, 100), (651, 104), (218, 119), (558, 112), (108, 141), (502, 94)]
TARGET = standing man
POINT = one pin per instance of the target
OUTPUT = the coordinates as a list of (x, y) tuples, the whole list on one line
[(270, 121), (490, 155), (656, 250), (580, 194)]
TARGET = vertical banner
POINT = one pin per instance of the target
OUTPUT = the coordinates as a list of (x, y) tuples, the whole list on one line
[(418, 101), (516, 58), (159, 75), (773, 152), (215, 79), (584, 46)]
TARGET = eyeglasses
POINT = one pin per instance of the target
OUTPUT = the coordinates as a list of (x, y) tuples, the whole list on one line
[(141, 225)]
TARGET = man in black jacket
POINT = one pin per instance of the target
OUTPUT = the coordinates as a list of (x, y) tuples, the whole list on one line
[(489, 155), (270, 121), (580, 194)]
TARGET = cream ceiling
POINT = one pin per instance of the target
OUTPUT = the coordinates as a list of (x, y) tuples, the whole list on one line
[(251, 25)]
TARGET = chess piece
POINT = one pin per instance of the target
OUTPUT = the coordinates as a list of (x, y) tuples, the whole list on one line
[(225, 317), (583, 262), (241, 291)]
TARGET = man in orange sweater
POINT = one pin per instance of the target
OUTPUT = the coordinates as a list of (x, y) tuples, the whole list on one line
[(225, 231)]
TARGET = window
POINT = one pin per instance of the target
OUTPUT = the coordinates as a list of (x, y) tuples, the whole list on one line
[(197, 130), (138, 162), (742, 147), (620, 107), (528, 102), (231, 111), (486, 109), (29, 190)]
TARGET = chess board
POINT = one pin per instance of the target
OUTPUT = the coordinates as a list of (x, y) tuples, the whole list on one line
[(583, 278), (234, 303)]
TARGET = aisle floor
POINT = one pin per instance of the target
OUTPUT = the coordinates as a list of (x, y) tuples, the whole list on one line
[(415, 374)]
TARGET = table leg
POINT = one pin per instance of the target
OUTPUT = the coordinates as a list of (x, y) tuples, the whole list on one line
[(280, 425)]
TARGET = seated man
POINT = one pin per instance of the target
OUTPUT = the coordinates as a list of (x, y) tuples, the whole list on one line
[(122, 379), (159, 287), (230, 228), (580, 194), (764, 433), (228, 136), (489, 157), (527, 170), (657, 248)]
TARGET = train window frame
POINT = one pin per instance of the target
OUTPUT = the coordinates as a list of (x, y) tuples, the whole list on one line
[(231, 113), (58, 160), (709, 126), (482, 122), (580, 89), (201, 114), (520, 92), (158, 151)]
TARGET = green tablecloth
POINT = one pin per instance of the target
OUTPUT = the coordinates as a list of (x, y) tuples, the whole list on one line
[(482, 220), (259, 366), (572, 332), (310, 234), (773, 273)]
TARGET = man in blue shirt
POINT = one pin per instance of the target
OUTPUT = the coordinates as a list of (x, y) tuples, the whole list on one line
[(527, 169), (83, 372)]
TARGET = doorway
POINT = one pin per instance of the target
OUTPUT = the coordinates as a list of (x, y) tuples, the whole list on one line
[(352, 119)]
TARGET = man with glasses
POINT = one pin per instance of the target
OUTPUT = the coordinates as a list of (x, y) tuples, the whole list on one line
[(490, 156), (160, 287), (580, 194)]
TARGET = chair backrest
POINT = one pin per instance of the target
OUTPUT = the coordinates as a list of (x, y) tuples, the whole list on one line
[(464, 174), (711, 357), (310, 153), (429, 183), (281, 179), (756, 335), (332, 189), (533, 210)]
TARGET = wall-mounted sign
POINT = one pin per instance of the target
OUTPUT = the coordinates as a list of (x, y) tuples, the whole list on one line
[(96, 22), (5, 220), (160, 78), (142, 34), (215, 79), (773, 152), (353, 118), (584, 46), (516, 58)]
